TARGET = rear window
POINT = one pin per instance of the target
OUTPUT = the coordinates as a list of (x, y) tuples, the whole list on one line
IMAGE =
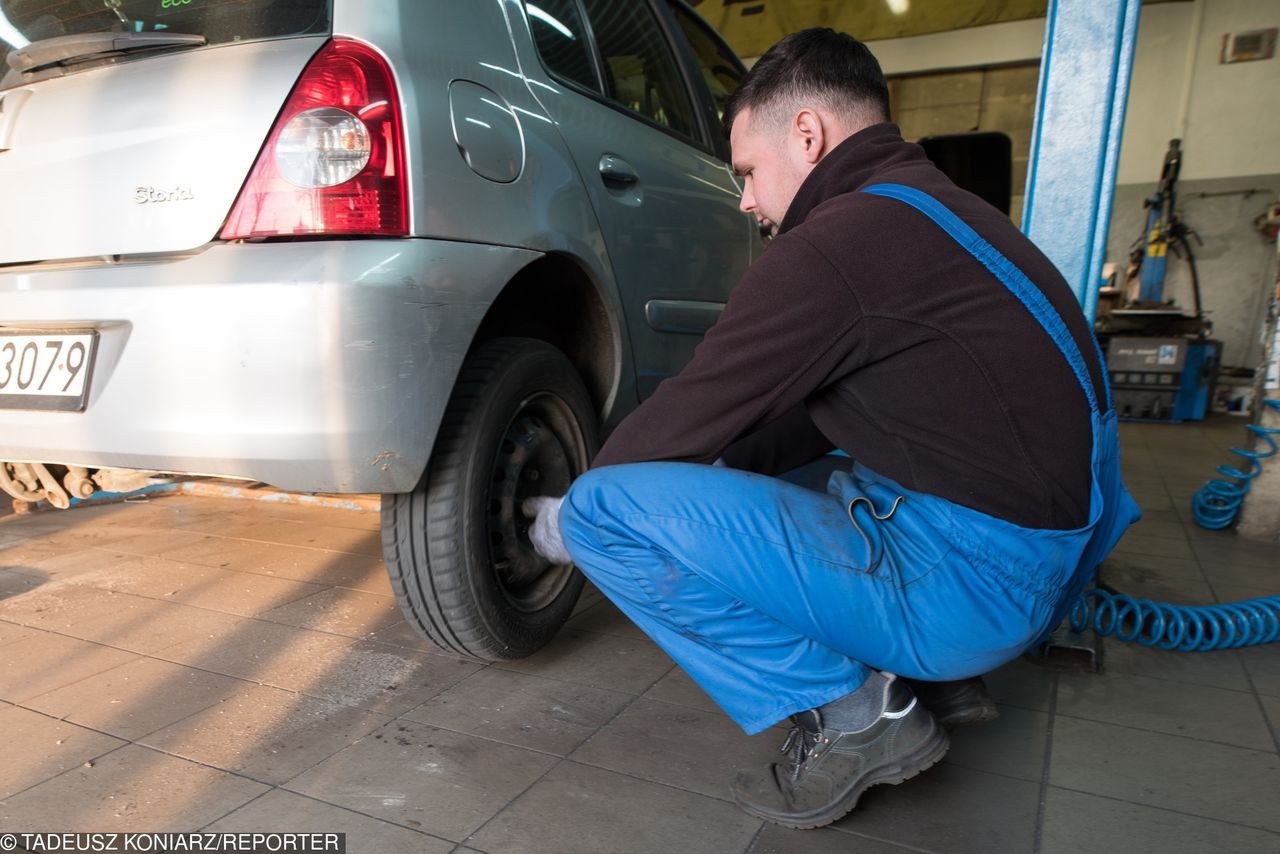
[(219, 21)]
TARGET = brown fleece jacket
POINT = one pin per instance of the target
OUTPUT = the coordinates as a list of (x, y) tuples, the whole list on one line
[(865, 326)]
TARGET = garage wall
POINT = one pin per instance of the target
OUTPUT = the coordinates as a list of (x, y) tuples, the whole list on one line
[(1225, 115), (1230, 130), (985, 99)]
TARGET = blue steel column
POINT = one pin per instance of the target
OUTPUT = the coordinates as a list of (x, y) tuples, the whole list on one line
[(1075, 148)]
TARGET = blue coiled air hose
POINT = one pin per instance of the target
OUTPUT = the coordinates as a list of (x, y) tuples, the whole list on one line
[(1186, 628), (1193, 628), (1216, 504)]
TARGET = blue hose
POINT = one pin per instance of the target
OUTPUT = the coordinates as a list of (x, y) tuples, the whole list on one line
[(1216, 504), (1186, 628), (1193, 628)]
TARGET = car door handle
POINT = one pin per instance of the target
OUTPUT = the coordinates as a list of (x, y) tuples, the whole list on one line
[(615, 170)]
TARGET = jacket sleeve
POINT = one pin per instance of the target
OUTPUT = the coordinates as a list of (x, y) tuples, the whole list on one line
[(788, 324), (784, 443)]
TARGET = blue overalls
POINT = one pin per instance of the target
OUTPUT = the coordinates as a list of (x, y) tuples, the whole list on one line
[(775, 598)]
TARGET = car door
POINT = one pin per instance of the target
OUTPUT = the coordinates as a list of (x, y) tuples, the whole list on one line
[(664, 196)]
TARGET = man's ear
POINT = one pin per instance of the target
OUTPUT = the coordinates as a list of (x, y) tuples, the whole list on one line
[(810, 135)]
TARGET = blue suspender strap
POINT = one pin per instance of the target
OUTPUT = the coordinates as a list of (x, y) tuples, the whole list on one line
[(1004, 270)]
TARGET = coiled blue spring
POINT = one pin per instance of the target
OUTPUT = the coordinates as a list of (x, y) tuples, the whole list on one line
[(1186, 628), (1216, 504)]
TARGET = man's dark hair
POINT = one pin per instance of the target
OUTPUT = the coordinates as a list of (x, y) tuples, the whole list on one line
[(816, 65)]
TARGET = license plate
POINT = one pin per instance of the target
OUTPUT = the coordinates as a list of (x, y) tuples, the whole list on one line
[(46, 370)]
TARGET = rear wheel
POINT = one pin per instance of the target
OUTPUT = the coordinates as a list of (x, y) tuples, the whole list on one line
[(519, 424)]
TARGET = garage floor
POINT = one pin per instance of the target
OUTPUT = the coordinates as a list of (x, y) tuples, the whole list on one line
[(201, 663)]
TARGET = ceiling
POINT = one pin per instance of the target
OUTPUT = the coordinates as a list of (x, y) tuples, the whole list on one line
[(752, 26)]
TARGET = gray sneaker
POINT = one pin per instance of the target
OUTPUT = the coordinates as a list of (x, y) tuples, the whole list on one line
[(829, 769)]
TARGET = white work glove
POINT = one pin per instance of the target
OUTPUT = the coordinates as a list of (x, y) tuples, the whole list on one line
[(544, 533)]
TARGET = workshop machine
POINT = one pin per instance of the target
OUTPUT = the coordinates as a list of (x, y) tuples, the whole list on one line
[(1162, 379), (1162, 363)]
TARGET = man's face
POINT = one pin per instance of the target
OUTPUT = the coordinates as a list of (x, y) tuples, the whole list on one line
[(762, 160)]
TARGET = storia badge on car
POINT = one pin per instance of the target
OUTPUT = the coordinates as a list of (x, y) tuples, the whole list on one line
[(156, 195)]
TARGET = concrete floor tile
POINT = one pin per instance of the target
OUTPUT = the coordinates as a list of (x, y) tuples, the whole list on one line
[(28, 553), (681, 747), (950, 810), (1023, 684), (312, 535), (437, 781), (1152, 499), (402, 634), (10, 632), (1248, 578), (1175, 708), (266, 733), (678, 688), (22, 555), (38, 747), (332, 517), (285, 812), (1263, 664), (605, 618), (34, 665), (1156, 546), (526, 711), (781, 840), (1215, 669), (1076, 822), (1013, 744), (1157, 583), (576, 809), (19, 580), (1163, 517), (1229, 593), (134, 623), (1230, 574), (597, 661), (136, 698), (588, 598), (339, 611), (131, 789), (1158, 529), (330, 569), (1271, 705), (161, 542), (79, 529), (1216, 781), (1159, 567), (237, 593), (1240, 553), (380, 678)]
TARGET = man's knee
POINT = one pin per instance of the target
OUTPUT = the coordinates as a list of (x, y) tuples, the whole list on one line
[(602, 498)]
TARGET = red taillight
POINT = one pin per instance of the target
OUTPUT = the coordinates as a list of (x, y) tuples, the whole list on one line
[(334, 162)]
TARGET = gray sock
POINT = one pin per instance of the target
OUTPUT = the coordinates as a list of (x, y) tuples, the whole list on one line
[(859, 709)]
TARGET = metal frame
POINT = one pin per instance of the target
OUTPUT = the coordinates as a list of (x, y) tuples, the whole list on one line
[(1075, 148)]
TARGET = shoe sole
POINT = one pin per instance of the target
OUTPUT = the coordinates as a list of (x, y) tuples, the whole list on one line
[(970, 716), (925, 756)]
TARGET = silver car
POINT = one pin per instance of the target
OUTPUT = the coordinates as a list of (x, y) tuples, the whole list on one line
[(430, 249)]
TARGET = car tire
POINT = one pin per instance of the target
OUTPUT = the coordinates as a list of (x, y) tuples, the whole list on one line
[(520, 423)]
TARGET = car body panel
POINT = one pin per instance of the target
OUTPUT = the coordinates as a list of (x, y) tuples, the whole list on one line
[(143, 156), (333, 382), (326, 364)]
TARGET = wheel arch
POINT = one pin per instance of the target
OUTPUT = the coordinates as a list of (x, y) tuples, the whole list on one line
[(553, 299)]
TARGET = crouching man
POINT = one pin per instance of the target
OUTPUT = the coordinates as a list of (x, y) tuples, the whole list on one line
[(909, 324)]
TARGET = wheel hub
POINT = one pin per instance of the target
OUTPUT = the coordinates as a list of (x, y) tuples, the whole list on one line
[(534, 458)]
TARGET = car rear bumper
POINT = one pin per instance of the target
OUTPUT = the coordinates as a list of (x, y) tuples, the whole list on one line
[(312, 366)]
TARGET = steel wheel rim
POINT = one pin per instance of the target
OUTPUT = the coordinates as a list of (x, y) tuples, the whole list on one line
[(540, 453)]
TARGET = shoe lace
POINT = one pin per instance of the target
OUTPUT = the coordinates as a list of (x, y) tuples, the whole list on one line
[(799, 743)]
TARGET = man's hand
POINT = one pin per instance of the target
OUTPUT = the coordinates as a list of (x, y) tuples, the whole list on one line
[(544, 533)]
